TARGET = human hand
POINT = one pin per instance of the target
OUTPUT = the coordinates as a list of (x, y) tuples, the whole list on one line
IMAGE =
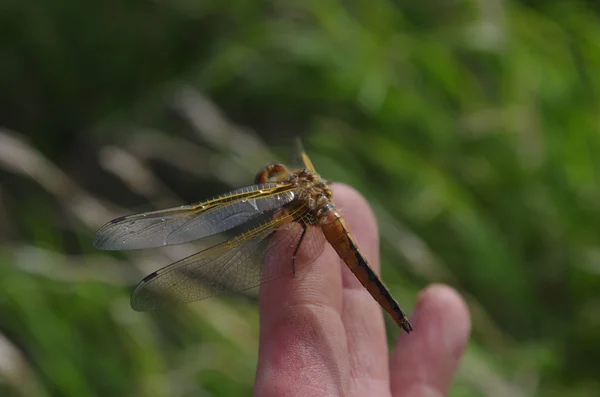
[(322, 334)]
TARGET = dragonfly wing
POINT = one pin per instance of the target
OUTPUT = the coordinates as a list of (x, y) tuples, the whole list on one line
[(302, 158), (260, 255), (191, 222)]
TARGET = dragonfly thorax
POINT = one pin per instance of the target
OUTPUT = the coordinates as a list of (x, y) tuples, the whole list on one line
[(313, 193)]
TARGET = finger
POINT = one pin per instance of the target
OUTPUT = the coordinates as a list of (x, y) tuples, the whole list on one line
[(302, 340), (362, 316), (424, 362)]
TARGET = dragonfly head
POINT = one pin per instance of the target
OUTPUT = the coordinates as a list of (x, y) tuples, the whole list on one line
[(273, 173)]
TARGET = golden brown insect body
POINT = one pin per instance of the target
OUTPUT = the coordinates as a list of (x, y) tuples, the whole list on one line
[(286, 209), (315, 193)]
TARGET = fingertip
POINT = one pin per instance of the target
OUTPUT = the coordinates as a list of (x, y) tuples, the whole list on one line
[(428, 357), (442, 310)]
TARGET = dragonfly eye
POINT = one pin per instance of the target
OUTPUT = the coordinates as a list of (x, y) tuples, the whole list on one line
[(273, 173)]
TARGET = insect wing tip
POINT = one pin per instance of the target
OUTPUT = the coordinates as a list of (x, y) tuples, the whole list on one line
[(143, 298), (117, 220), (98, 240)]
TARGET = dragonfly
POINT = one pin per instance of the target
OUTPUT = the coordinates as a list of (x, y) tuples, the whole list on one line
[(272, 228)]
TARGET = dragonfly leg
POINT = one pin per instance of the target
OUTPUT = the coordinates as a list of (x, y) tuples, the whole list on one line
[(304, 227)]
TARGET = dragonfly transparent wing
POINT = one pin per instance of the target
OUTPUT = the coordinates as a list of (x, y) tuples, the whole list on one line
[(259, 255), (301, 156), (191, 222)]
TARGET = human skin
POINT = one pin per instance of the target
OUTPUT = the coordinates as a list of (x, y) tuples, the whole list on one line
[(322, 334)]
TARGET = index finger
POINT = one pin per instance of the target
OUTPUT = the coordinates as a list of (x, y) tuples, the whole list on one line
[(303, 346)]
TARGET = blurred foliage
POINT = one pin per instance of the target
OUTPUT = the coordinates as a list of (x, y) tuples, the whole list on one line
[(471, 127)]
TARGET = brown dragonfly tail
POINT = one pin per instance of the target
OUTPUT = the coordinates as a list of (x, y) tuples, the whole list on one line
[(338, 235), (371, 281)]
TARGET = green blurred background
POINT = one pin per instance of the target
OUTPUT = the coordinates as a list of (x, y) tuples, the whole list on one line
[(470, 126)]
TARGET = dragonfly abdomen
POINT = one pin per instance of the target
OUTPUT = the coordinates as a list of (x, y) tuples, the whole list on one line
[(338, 234)]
